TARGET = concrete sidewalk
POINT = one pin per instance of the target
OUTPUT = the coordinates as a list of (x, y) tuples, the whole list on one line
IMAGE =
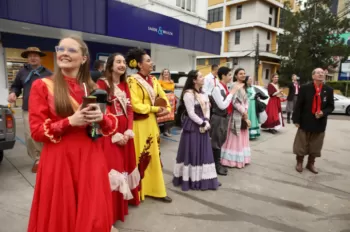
[(268, 195)]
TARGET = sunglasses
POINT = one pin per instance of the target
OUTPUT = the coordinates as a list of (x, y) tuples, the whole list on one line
[(61, 49)]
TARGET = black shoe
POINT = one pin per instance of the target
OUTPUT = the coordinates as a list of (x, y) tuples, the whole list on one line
[(221, 170), (288, 121), (166, 199)]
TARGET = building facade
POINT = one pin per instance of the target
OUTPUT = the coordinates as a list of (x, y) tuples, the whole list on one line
[(107, 26), (189, 11), (249, 28), (341, 8)]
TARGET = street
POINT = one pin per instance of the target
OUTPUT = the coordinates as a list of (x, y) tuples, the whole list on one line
[(268, 195)]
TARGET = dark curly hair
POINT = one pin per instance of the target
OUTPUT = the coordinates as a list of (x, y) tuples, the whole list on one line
[(137, 54)]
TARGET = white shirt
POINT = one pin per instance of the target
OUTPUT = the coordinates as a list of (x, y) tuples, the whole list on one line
[(210, 81), (190, 102), (220, 101)]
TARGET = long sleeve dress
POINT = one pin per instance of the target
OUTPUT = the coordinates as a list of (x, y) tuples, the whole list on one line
[(143, 91), (236, 150), (121, 159), (273, 109), (72, 190), (195, 168)]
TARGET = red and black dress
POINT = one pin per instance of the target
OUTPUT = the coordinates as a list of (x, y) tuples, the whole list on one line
[(72, 191), (121, 159), (273, 109)]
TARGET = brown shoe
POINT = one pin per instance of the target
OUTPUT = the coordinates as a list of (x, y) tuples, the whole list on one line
[(311, 165), (299, 166), (35, 166)]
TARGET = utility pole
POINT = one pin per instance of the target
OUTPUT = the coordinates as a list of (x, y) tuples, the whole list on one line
[(257, 58)]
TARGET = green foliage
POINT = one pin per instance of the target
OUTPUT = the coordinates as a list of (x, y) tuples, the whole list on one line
[(340, 85), (310, 40)]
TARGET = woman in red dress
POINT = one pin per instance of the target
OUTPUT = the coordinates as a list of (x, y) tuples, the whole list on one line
[(119, 148), (72, 190), (274, 120)]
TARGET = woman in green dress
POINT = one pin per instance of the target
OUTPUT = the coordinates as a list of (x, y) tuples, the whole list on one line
[(254, 130)]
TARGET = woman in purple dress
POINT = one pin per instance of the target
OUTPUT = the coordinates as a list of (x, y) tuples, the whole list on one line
[(195, 168)]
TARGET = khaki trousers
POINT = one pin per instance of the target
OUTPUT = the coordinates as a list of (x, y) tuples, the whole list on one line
[(308, 143), (33, 148)]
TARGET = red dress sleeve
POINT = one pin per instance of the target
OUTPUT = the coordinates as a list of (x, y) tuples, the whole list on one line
[(130, 111), (42, 127), (102, 85), (109, 124), (271, 90)]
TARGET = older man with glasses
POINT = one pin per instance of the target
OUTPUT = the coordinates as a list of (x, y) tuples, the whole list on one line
[(315, 102)]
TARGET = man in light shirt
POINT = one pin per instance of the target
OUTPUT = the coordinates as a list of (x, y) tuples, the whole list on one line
[(210, 80)]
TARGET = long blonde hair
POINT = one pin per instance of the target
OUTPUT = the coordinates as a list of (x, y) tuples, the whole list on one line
[(161, 76), (63, 105)]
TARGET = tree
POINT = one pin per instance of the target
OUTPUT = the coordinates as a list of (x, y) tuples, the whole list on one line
[(311, 39)]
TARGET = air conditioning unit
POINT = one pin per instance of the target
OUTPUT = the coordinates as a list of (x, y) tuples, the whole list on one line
[(230, 65)]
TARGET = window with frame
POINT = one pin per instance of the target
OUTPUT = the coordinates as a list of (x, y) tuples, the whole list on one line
[(200, 61), (270, 21), (268, 35), (267, 47), (237, 37), (239, 12), (214, 61), (271, 10), (215, 15), (188, 5)]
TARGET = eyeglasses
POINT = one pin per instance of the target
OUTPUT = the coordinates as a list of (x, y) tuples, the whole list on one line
[(61, 49), (320, 73)]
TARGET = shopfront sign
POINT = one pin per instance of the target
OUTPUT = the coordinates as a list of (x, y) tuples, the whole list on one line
[(134, 23)]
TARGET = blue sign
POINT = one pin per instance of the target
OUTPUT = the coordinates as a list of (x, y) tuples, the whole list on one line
[(134, 23)]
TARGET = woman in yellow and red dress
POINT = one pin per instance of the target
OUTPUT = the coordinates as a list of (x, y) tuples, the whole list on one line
[(72, 191), (144, 90), (119, 148)]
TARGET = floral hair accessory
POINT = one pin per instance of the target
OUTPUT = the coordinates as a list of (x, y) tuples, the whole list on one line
[(133, 63)]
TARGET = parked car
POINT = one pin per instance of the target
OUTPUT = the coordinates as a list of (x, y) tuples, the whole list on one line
[(341, 104), (7, 130), (264, 90)]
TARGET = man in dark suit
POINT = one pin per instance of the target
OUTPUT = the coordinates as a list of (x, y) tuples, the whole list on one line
[(315, 102), (98, 69), (292, 96)]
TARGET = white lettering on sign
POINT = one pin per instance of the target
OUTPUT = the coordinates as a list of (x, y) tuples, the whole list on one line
[(160, 31), (152, 29)]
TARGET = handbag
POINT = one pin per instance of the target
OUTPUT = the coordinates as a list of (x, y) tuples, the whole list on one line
[(245, 124), (159, 102)]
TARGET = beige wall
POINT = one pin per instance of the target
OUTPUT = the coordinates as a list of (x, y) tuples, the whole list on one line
[(247, 40), (252, 11), (248, 13), (213, 2), (215, 25)]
